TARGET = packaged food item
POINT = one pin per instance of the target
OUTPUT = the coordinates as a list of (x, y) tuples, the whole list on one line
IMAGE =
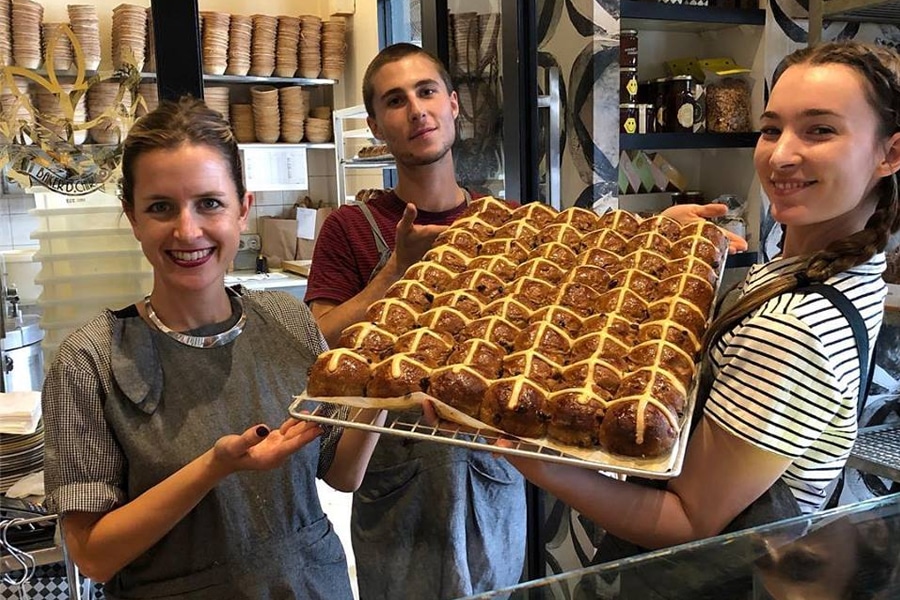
[(728, 106), (680, 104), (628, 118), (645, 118), (628, 48), (727, 96), (643, 165), (695, 197), (659, 89), (628, 85), (677, 181), (632, 178)]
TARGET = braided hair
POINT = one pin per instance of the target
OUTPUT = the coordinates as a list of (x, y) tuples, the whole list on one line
[(880, 68)]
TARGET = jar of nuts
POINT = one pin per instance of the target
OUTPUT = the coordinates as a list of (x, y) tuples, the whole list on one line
[(728, 105)]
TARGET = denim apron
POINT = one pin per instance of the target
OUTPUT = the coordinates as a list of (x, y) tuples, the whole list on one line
[(436, 521), (257, 535)]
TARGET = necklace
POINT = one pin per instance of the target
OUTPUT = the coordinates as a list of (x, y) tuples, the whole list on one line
[(199, 341)]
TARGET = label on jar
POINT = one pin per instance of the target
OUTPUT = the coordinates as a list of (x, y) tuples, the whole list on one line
[(660, 88), (699, 94), (681, 104), (628, 85), (645, 118)]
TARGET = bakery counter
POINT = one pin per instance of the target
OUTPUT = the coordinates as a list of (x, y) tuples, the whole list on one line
[(852, 551), (276, 279)]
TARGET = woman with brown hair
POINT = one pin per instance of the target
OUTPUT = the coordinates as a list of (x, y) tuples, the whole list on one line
[(781, 411), (157, 497)]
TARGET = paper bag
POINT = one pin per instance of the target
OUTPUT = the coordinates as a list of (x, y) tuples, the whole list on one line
[(278, 240)]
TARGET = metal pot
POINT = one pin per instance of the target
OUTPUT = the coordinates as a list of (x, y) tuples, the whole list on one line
[(21, 355)]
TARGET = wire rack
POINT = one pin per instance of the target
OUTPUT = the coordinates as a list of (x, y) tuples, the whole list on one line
[(409, 424), (877, 451)]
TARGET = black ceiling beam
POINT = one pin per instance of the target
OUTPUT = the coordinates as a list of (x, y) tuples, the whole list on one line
[(176, 27)]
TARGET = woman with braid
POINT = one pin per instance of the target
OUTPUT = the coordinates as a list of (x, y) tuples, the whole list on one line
[(781, 410)]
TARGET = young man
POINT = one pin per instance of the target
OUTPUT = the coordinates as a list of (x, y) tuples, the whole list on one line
[(430, 520)]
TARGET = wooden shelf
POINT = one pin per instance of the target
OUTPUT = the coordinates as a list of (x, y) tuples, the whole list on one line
[(679, 141), (370, 164), (71, 74), (680, 17), (871, 11), (307, 145), (264, 80)]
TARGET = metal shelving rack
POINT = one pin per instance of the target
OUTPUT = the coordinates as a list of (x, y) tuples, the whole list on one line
[(681, 18), (78, 587), (551, 102), (870, 11), (341, 162)]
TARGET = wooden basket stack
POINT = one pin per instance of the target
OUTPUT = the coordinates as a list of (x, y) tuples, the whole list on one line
[(26, 33), (214, 41), (129, 36), (262, 58), (86, 27), (240, 32), (334, 48), (309, 52)]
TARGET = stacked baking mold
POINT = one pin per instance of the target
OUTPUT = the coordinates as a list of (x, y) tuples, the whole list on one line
[(89, 260)]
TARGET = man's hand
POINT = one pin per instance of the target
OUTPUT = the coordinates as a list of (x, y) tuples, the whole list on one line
[(413, 241), (688, 213)]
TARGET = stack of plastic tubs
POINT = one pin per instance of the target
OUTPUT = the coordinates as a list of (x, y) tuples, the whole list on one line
[(89, 260)]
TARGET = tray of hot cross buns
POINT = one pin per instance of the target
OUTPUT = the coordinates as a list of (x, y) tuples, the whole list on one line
[(574, 335)]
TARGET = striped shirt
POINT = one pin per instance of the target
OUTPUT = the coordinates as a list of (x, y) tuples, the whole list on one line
[(787, 376)]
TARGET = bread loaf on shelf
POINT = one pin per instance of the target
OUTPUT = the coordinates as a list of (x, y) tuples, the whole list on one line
[(581, 327)]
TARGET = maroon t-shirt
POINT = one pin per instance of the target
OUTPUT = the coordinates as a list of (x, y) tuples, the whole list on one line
[(346, 254)]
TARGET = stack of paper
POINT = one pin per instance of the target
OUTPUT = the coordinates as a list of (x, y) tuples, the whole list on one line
[(19, 412)]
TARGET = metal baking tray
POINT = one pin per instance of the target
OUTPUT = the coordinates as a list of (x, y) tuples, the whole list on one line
[(467, 432), (458, 429)]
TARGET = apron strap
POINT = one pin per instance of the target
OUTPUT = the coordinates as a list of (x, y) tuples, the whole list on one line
[(384, 251)]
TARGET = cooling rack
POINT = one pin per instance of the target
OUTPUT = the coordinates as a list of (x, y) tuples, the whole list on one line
[(405, 419)]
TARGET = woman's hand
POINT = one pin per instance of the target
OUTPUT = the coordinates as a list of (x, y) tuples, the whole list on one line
[(429, 413), (261, 449), (688, 213)]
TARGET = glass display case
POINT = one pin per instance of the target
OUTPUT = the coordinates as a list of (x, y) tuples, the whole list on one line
[(850, 552)]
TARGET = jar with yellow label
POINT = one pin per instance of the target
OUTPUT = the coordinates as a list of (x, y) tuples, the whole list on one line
[(628, 85), (628, 118)]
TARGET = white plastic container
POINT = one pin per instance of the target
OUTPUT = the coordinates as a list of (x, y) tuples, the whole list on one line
[(81, 310), (53, 200), (88, 218), (95, 286), (21, 271), (74, 242), (49, 351), (56, 331), (92, 263)]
